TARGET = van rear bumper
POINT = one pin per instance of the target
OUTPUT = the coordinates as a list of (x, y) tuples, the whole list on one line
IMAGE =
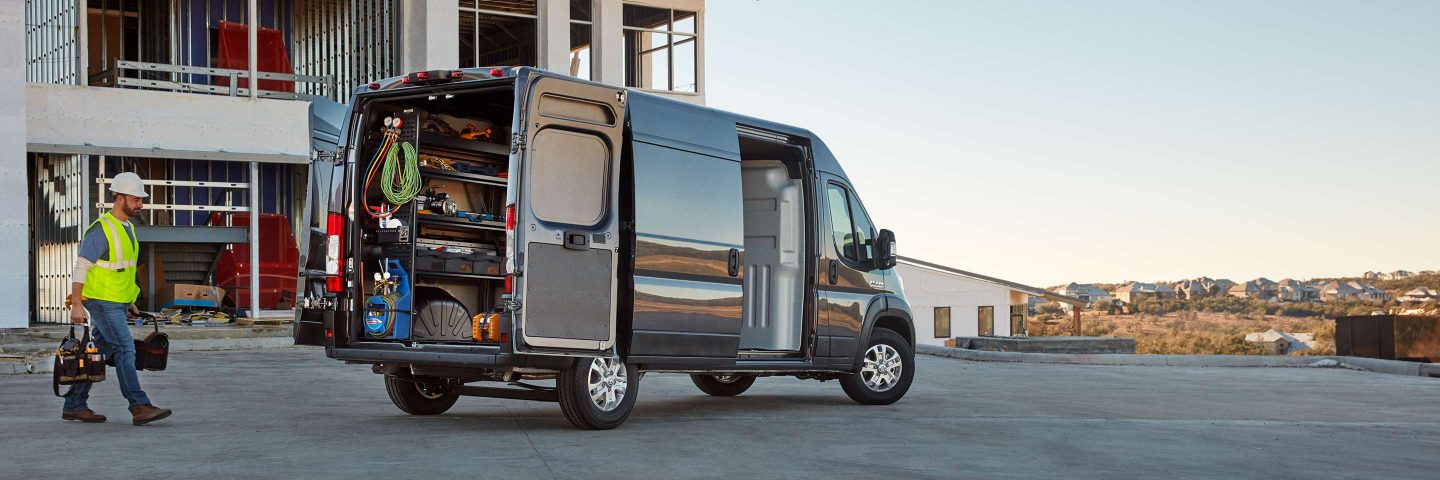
[(445, 355), (454, 356)]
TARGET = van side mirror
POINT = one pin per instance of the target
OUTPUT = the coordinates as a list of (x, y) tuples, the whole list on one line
[(885, 253)]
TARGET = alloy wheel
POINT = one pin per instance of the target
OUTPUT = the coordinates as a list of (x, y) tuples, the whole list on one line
[(882, 369), (607, 383)]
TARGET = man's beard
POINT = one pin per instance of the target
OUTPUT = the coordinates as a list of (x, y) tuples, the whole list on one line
[(130, 212)]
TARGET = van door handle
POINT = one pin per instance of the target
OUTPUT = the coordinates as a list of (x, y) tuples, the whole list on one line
[(577, 240), (734, 262), (834, 271)]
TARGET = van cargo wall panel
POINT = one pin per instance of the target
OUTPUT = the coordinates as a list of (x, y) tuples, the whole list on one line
[(582, 277)]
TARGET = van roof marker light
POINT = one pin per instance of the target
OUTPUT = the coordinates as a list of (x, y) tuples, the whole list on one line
[(495, 72)]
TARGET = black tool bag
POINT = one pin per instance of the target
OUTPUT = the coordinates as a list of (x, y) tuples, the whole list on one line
[(77, 360), (152, 352)]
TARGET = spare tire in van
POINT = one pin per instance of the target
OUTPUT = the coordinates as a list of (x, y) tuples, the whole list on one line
[(439, 316)]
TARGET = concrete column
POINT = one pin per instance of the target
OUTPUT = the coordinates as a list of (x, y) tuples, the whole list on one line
[(253, 41), (254, 232), (609, 49), (554, 35), (429, 35), (15, 220)]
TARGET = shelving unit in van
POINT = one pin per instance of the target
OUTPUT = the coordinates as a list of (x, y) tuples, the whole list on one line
[(453, 235)]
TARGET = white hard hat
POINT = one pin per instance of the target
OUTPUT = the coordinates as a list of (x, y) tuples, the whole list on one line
[(128, 183)]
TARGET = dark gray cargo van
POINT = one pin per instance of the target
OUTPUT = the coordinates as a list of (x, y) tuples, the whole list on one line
[(480, 230)]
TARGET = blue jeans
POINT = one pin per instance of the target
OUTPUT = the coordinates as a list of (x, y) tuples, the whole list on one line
[(111, 332)]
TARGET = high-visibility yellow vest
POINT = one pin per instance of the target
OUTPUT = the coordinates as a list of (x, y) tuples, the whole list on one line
[(112, 279)]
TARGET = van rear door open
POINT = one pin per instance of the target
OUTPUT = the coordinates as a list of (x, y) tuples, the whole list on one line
[(568, 145)]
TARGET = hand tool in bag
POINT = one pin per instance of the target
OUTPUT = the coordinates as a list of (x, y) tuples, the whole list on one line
[(77, 360)]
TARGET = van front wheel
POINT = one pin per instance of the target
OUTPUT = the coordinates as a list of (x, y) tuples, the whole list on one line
[(886, 369), (417, 398), (723, 385), (597, 393)]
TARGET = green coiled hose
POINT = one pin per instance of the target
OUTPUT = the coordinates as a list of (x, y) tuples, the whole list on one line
[(400, 182)]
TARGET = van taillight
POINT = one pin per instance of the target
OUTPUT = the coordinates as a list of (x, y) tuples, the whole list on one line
[(510, 249), (335, 229), (509, 243)]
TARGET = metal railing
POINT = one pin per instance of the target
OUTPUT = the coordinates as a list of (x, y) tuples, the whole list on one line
[(152, 207), (181, 78)]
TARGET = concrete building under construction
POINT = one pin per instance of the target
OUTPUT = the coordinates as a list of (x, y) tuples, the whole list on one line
[(221, 104)]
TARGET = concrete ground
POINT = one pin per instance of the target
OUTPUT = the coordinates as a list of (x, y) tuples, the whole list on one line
[(293, 413)]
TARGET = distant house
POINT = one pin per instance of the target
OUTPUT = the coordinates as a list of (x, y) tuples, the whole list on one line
[(1291, 290), (1420, 295), (1339, 291), (1352, 290), (1133, 291), (1369, 292), (1280, 343), (1398, 275), (1261, 288), (1192, 289), (1202, 287), (1244, 290), (1268, 288), (1219, 287), (1091, 294)]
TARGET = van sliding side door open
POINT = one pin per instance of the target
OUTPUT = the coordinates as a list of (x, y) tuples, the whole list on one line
[(567, 139)]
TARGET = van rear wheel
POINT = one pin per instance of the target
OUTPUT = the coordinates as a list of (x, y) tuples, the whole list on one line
[(418, 398), (597, 393), (886, 370), (723, 385)]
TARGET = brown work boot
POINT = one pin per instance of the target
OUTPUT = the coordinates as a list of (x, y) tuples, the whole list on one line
[(143, 414), (86, 415)]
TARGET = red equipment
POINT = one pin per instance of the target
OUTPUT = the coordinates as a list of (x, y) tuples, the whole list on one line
[(279, 262), (233, 53)]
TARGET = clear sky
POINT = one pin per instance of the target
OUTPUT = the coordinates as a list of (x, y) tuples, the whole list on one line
[(1051, 141)]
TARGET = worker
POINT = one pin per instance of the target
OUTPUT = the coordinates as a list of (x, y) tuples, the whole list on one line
[(104, 284)]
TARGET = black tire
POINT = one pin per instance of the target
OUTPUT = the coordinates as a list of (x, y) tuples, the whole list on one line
[(417, 398), (723, 385), (574, 386), (859, 386)]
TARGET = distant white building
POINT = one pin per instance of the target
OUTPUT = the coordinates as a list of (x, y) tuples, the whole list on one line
[(1281, 343), (948, 302)]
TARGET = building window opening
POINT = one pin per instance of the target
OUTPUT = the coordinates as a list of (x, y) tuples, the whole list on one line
[(942, 322), (987, 321), (1017, 320), (660, 49), (498, 33), (582, 38)]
